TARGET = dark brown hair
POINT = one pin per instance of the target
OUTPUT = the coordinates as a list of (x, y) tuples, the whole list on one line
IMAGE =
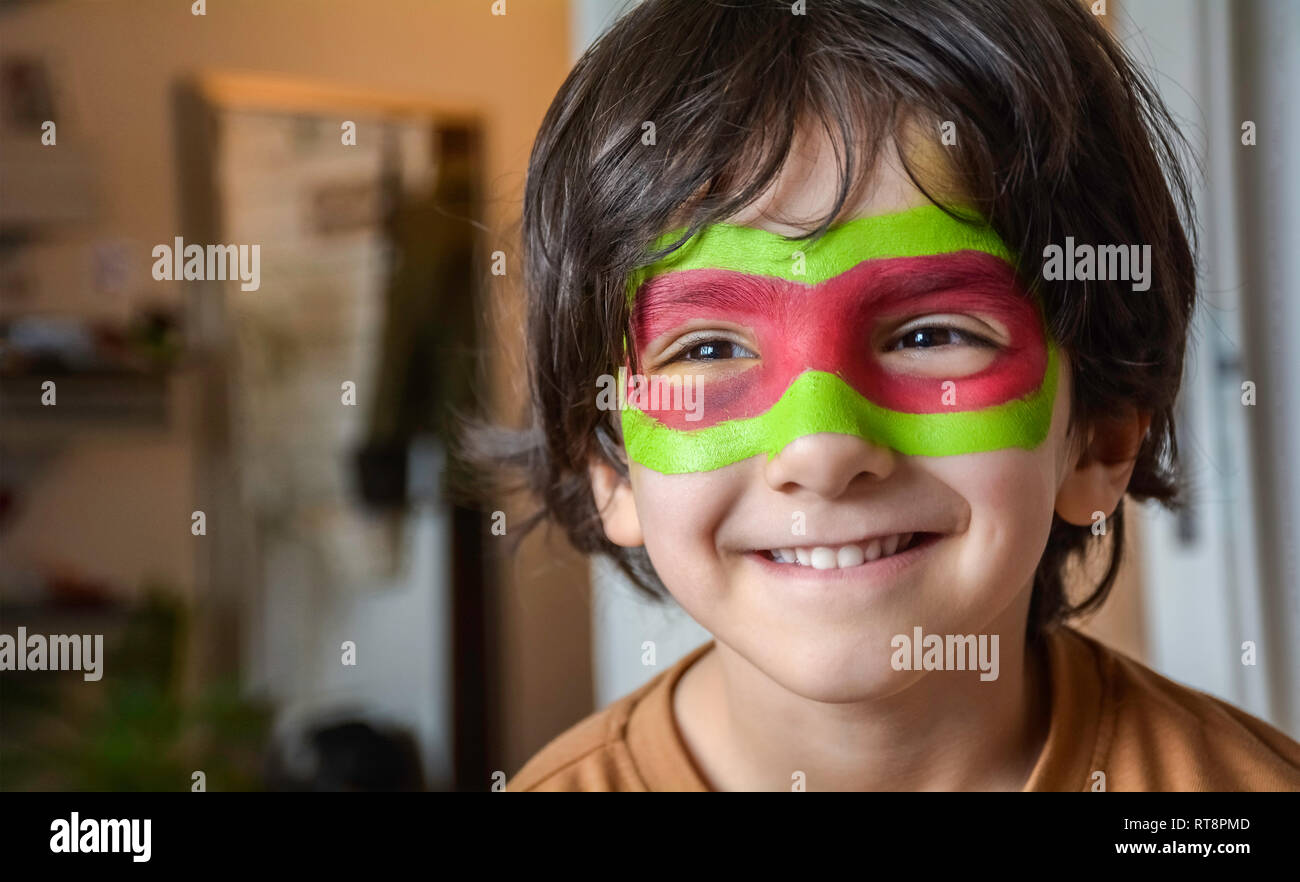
[(1058, 134)]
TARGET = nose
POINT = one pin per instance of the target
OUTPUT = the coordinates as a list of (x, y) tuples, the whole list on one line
[(827, 463)]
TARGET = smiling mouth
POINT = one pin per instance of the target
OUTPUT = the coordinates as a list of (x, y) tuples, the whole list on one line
[(823, 557)]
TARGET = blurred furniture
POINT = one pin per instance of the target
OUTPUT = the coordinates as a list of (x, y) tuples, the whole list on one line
[(325, 391)]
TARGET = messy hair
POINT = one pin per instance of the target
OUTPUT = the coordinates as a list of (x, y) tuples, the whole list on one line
[(1059, 133)]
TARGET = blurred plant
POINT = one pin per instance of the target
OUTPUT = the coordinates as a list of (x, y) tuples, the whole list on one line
[(134, 729), (154, 335)]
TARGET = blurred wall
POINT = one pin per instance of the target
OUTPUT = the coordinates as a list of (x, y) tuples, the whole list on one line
[(1223, 609), (121, 505)]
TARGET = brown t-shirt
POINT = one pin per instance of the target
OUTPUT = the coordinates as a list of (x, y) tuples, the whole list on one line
[(1109, 713)]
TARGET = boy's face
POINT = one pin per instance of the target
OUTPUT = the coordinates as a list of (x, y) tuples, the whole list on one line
[(891, 398)]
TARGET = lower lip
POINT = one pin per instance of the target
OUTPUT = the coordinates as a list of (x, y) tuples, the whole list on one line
[(881, 568)]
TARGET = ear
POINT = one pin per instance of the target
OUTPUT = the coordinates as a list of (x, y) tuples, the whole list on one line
[(1101, 467), (614, 501)]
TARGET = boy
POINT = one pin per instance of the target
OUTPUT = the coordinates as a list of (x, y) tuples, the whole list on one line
[(862, 427)]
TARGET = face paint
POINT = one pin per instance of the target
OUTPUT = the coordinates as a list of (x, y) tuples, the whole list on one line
[(815, 320)]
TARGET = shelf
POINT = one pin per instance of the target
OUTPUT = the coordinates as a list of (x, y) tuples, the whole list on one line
[(85, 400)]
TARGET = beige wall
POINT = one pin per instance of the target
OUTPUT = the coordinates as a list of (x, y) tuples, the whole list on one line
[(118, 505)]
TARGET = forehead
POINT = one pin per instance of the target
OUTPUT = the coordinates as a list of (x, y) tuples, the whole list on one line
[(885, 215), (805, 189)]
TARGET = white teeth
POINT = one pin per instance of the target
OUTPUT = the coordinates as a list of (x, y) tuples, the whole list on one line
[(849, 556), (822, 557)]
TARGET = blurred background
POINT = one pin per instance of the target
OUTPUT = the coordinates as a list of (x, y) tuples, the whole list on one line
[(241, 486)]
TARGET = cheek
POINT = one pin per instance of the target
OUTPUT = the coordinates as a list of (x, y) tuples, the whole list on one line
[(1011, 496), (680, 517)]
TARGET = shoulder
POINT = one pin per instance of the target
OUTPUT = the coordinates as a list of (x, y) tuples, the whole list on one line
[(588, 756), (1157, 734), (593, 754)]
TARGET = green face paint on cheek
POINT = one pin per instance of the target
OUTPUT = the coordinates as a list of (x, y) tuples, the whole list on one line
[(821, 402), (814, 317)]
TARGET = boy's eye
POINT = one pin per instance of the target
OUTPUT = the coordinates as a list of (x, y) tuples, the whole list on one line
[(931, 336), (946, 347), (712, 350)]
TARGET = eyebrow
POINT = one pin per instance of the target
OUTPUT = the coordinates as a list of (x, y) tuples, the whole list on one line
[(732, 290), (915, 232), (977, 280), (668, 300)]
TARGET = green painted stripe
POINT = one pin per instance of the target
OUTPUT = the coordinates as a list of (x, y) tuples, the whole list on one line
[(818, 401), (915, 232)]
